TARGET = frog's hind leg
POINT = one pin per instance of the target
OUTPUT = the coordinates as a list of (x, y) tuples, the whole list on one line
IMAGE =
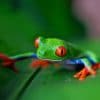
[(93, 59), (89, 68)]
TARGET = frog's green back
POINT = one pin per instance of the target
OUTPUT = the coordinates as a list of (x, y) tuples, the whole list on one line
[(74, 51), (48, 46)]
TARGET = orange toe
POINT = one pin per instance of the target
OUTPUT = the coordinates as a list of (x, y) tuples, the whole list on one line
[(81, 79), (77, 75), (82, 74), (96, 66), (40, 63), (92, 72)]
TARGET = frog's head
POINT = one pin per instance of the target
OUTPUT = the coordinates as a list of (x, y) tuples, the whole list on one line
[(51, 49)]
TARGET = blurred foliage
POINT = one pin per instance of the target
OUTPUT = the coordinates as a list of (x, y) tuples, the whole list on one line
[(23, 20)]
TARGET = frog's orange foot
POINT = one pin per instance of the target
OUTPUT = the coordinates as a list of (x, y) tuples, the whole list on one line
[(84, 73), (8, 62), (40, 63), (96, 66)]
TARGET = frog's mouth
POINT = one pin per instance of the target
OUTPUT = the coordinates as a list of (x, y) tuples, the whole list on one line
[(42, 57), (54, 60)]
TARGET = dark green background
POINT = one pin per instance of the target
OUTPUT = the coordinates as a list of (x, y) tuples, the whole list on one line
[(21, 21)]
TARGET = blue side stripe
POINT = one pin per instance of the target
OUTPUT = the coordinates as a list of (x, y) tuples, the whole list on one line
[(34, 56), (79, 61)]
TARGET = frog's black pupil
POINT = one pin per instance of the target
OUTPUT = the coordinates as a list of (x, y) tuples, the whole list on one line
[(62, 52)]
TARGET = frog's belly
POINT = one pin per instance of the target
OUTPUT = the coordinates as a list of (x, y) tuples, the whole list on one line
[(74, 64), (73, 67)]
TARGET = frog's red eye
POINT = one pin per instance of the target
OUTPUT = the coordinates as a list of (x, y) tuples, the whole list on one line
[(61, 51), (37, 42)]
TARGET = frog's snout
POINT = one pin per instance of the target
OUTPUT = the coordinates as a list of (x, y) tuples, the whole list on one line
[(41, 54)]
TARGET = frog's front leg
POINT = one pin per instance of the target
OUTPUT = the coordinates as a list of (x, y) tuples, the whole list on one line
[(9, 62), (89, 68)]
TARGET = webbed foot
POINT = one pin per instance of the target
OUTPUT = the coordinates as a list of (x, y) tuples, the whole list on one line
[(40, 63), (84, 73), (96, 66), (8, 62)]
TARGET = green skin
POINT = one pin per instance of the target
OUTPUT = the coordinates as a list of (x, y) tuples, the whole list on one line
[(47, 48)]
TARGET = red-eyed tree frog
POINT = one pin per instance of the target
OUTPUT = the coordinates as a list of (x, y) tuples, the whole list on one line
[(53, 50)]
